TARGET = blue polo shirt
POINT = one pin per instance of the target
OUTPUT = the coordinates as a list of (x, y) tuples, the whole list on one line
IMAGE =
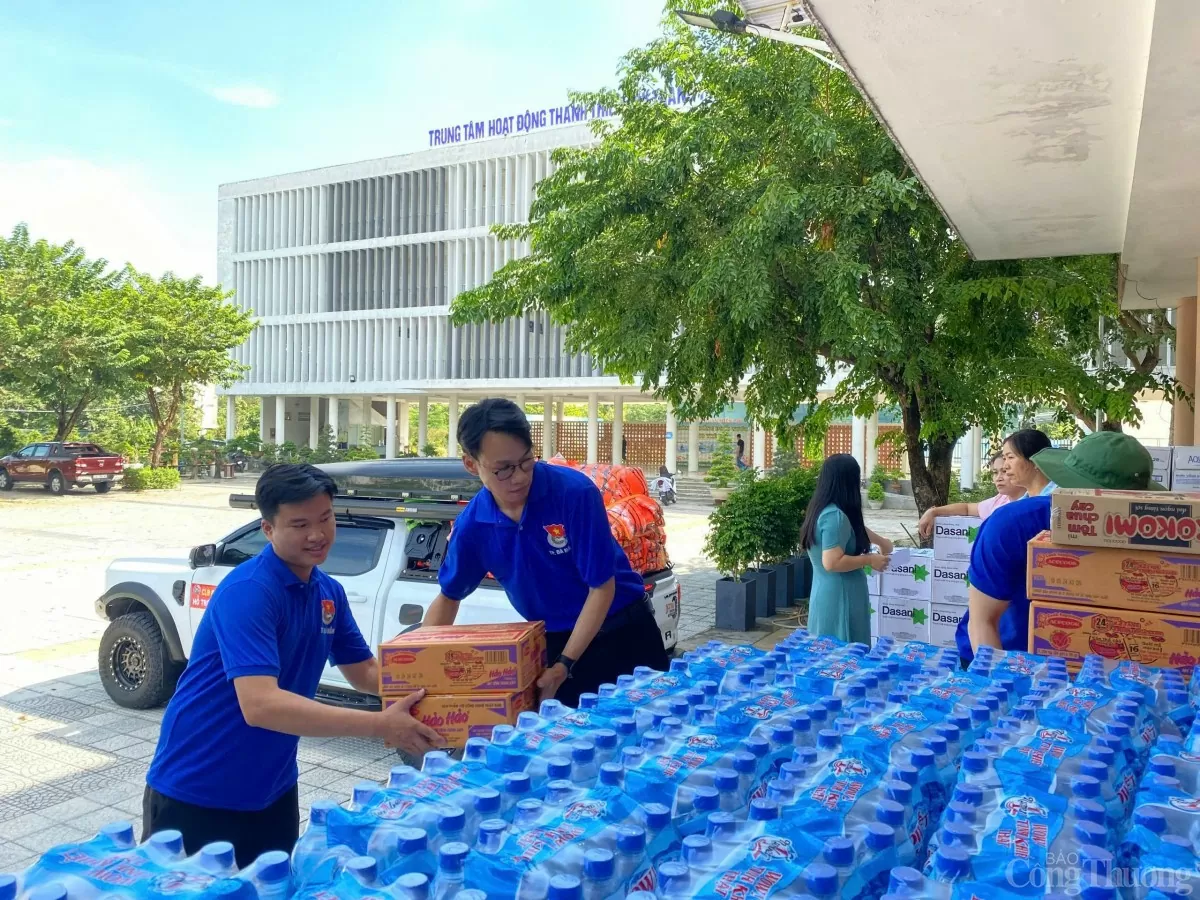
[(261, 620), (998, 568), (547, 562)]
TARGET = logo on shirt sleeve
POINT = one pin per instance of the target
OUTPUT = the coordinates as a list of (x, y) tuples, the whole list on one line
[(556, 535)]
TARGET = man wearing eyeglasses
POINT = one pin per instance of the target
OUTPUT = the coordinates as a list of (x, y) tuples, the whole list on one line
[(542, 532)]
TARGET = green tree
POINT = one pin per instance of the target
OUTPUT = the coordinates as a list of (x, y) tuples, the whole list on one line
[(770, 232), (62, 343), (245, 411), (185, 331)]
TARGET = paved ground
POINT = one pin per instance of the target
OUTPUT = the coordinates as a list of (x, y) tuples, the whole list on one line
[(70, 759)]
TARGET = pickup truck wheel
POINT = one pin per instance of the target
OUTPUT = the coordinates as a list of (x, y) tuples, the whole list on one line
[(102, 487), (134, 666), (56, 484), (6, 481)]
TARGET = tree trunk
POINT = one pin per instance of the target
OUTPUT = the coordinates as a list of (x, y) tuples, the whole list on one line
[(67, 417), (160, 428), (930, 482), (1110, 425)]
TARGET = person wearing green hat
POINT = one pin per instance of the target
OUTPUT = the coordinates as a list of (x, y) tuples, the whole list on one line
[(998, 611)]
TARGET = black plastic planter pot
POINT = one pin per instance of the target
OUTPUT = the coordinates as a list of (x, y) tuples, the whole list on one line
[(804, 574), (737, 604), (767, 587), (785, 584)]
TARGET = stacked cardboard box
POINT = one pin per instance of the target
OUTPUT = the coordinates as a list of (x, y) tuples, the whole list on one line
[(1183, 467), (1118, 574), (905, 594), (475, 676), (953, 540)]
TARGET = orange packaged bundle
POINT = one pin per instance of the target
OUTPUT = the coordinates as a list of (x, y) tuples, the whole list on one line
[(635, 517), (559, 460), (616, 482), (646, 555)]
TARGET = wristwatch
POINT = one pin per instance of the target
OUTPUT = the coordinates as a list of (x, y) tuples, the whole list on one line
[(567, 663)]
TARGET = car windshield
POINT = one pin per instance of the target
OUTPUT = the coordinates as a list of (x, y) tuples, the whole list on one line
[(83, 450)]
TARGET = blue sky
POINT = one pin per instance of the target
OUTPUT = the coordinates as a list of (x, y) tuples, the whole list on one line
[(119, 119)]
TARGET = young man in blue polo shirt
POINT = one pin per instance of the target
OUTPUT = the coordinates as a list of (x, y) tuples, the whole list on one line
[(998, 611), (225, 768), (542, 532)]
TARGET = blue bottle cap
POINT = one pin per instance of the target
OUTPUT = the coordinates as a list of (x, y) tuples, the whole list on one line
[(1088, 810), (658, 816), (528, 721), (905, 881), (763, 810), (273, 866), (530, 806), (487, 801), (817, 713), (975, 762), (476, 749), (939, 746), (453, 856), (453, 819), (697, 850), (500, 735), (947, 732), (906, 773), (678, 708), (760, 747), (490, 828), (821, 879), (411, 840), (781, 792), (958, 832), (897, 696), (364, 791), (560, 790), (678, 665), (880, 836), (8, 886), (551, 709), (703, 712), (1150, 817), (643, 671), (1097, 888), (631, 840), (839, 851), (121, 833), (624, 725), (417, 883), (725, 779), (1099, 752), (1024, 711), (364, 868), (169, 841), (671, 725), (856, 691), (1118, 729), (1094, 859), (1177, 697), (588, 700), (961, 721), (1162, 765), (922, 757), (706, 798), (516, 783), (969, 793), (889, 812), (828, 739), (1090, 832), (217, 856), (672, 872), (980, 714), (782, 734), (565, 887), (744, 762), (653, 739), (844, 724), (1085, 786), (612, 774), (958, 811), (598, 864), (793, 772), (832, 704), (805, 756), (694, 697), (710, 688), (899, 791), (952, 861), (583, 751), (631, 757)]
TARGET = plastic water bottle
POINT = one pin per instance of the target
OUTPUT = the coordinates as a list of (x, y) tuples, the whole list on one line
[(313, 861), (599, 874), (565, 887), (165, 848), (452, 829), (413, 886), (406, 849), (674, 881), (630, 857), (271, 875), (451, 871)]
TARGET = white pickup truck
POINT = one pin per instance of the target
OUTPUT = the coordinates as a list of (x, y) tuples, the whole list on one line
[(393, 522)]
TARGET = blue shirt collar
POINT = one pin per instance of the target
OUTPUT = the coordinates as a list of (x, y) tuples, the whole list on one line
[(1048, 490), (490, 512), (279, 569)]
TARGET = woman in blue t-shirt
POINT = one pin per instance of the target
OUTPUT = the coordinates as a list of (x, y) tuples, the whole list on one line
[(839, 547)]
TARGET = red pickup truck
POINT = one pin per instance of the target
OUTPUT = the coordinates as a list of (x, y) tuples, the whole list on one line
[(59, 466)]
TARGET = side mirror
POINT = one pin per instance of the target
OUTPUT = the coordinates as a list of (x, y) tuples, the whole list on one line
[(204, 555)]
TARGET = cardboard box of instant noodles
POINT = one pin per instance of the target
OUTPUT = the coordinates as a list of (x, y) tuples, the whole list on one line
[(1139, 520), (457, 717), (463, 659)]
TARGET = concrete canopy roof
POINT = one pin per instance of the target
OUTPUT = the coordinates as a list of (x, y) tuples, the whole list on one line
[(1043, 127)]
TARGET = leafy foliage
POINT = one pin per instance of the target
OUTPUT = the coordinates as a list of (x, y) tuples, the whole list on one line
[(760, 523), (147, 479), (721, 471), (875, 492), (771, 232)]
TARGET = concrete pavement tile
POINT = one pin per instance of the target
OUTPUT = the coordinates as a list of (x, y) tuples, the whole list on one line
[(91, 822), (87, 784), (376, 771), (314, 755), (52, 837), (32, 799), (132, 771), (131, 807), (55, 707), (147, 732), (140, 750), (30, 823), (12, 783), (107, 720), (69, 809), (342, 789), (11, 854), (84, 679), (319, 776), (113, 793), (114, 742)]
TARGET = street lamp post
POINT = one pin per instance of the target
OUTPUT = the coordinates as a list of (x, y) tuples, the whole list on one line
[(723, 20)]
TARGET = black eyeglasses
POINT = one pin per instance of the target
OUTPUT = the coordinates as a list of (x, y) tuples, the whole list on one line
[(507, 472)]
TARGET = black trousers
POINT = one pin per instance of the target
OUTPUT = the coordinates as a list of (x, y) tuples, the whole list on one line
[(635, 642), (252, 833)]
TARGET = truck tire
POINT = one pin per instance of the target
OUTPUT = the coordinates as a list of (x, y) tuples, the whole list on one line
[(56, 484), (6, 480), (135, 669), (102, 487)]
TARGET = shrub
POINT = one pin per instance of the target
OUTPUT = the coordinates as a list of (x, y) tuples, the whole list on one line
[(760, 522), (721, 471), (875, 492), (360, 453), (430, 450), (146, 479)]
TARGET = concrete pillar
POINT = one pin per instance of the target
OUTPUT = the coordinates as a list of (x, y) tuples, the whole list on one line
[(618, 431), (452, 437), (263, 434), (966, 462), (593, 429), (314, 422), (872, 436), (333, 423), (280, 419), (365, 431), (1185, 368), (559, 418), (858, 434), (760, 450), (521, 401), (693, 447), (672, 441), (389, 446), (230, 417), (547, 427), (977, 448), (405, 427), (422, 424)]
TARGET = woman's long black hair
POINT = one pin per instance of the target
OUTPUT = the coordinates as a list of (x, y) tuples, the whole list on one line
[(839, 484)]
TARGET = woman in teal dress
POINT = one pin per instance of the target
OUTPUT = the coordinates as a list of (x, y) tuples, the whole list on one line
[(839, 547)]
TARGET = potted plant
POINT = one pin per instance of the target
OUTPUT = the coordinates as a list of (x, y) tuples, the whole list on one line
[(875, 496), (799, 485), (779, 531), (722, 473), (732, 544)]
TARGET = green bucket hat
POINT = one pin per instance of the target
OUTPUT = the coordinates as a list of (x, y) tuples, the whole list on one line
[(1107, 460)]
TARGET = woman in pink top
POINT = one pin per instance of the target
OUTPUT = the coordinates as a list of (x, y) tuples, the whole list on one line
[(1007, 490)]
